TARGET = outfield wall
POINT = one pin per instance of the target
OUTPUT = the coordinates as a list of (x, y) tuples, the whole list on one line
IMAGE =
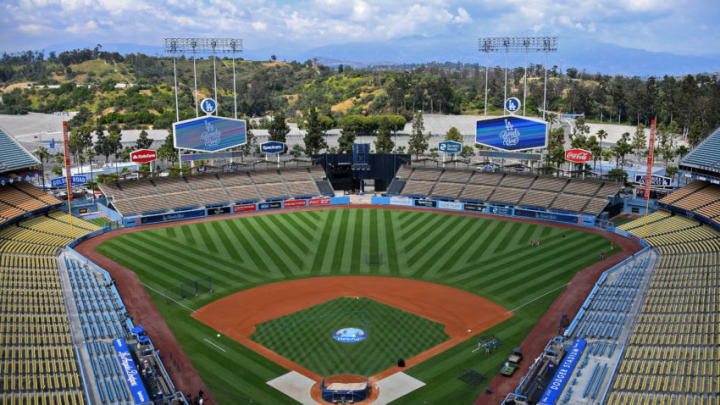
[(493, 209)]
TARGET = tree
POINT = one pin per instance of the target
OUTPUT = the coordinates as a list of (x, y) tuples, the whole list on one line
[(346, 140), (296, 151), (593, 146), (249, 146), (467, 151), (75, 145), (43, 155), (453, 135), (602, 135), (314, 137), (167, 151), (384, 143), (681, 151), (418, 143), (278, 128), (639, 140), (143, 141), (622, 147), (695, 134)]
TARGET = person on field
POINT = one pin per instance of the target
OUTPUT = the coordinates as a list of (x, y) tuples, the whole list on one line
[(487, 348)]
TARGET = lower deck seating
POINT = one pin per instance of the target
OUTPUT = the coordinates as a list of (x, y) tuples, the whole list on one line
[(303, 188), (568, 202), (507, 195), (476, 193), (415, 187), (540, 199), (273, 190), (447, 190)]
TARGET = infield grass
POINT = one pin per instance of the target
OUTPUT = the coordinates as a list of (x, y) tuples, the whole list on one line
[(488, 257), (306, 336)]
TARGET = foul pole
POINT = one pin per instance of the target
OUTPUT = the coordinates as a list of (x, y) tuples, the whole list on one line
[(68, 174), (648, 173)]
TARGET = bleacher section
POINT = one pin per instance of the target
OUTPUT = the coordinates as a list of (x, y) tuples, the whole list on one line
[(38, 364), (13, 156), (135, 197), (673, 355), (561, 194), (698, 197), (20, 198)]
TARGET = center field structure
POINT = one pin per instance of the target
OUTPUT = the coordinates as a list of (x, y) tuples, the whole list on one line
[(490, 258), (312, 337)]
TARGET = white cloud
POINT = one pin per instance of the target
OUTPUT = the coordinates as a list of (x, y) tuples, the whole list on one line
[(33, 29), (259, 26), (82, 28), (463, 16)]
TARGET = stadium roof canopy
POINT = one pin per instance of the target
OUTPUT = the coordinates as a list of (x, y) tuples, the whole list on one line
[(13, 156), (704, 160)]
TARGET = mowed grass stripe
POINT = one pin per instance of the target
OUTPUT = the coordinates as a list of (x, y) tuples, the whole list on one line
[(230, 248), (310, 222), (245, 245), (420, 222), (305, 234), (340, 237), (471, 235), (357, 241), (267, 247), (154, 251), (170, 231), (424, 227), (187, 234), (392, 254), (495, 226), (206, 239), (291, 253), (512, 229), (374, 235), (282, 225), (407, 220), (320, 253), (434, 239)]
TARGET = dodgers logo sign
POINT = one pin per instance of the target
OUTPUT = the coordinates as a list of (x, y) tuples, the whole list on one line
[(208, 106), (512, 105), (272, 147), (209, 133), (349, 335), (511, 133)]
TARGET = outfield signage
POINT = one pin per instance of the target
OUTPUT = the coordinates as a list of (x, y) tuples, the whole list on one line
[(570, 219), (272, 147), (272, 205), (474, 207), (218, 210), (491, 209), (577, 155), (402, 201), (171, 217), (511, 133), (209, 133), (450, 147), (563, 373), (143, 156), (450, 205), (131, 374), (319, 201), (295, 203), (244, 208), (62, 181), (426, 203), (655, 180)]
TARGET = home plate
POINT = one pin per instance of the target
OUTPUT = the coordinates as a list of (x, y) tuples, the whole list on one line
[(294, 385)]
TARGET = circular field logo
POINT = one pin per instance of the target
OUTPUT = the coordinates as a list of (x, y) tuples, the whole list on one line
[(349, 335)]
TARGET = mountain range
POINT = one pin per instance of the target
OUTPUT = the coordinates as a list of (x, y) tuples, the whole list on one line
[(572, 52)]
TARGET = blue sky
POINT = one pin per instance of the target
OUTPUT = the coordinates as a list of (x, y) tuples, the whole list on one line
[(677, 26)]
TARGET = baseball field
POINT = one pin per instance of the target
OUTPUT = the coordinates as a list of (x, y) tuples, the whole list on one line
[(489, 258)]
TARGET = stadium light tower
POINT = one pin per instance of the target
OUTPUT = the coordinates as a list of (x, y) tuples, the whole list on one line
[(508, 45), (213, 46)]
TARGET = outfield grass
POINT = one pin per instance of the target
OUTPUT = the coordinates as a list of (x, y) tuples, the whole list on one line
[(488, 257), (101, 221), (622, 220), (306, 336)]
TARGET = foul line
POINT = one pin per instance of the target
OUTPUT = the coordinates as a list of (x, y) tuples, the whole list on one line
[(168, 297), (538, 297), (215, 345)]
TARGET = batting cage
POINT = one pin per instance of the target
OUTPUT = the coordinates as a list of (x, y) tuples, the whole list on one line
[(345, 389), (194, 288)]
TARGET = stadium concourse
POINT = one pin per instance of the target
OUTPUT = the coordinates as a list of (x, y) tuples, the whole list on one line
[(65, 336)]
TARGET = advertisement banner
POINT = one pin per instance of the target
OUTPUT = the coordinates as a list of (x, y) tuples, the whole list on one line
[(402, 201), (62, 181), (244, 208), (319, 201), (563, 373), (578, 155), (218, 210), (143, 156), (450, 147), (491, 209), (511, 133), (426, 203), (474, 207), (450, 205), (209, 134), (651, 150), (68, 174), (655, 180), (272, 147), (171, 217), (272, 205), (131, 373), (295, 203)]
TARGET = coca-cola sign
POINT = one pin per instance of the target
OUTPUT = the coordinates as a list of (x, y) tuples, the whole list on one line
[(143, 156), (577, 155)]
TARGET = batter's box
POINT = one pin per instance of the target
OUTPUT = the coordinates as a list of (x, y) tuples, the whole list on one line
[(374, 260)]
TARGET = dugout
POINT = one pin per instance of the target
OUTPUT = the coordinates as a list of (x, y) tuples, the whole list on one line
[(344, 389)]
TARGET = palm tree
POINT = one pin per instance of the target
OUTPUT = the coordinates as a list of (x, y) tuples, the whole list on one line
[(43, 155)]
